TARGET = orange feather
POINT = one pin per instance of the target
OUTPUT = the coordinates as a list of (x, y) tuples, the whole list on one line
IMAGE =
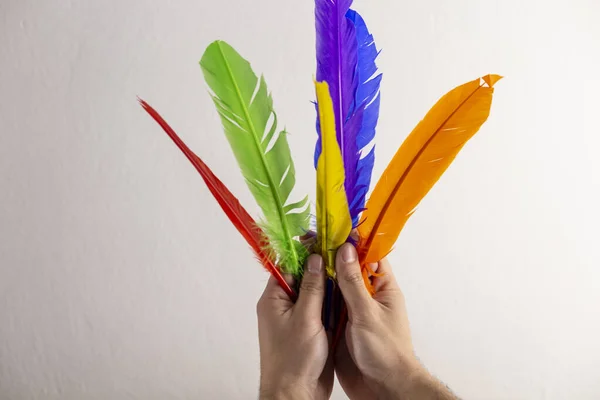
[(420, 162)]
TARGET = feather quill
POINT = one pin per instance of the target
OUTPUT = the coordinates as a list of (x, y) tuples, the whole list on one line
[(420, 162), (333, 217), (262, 152), (238, 216)]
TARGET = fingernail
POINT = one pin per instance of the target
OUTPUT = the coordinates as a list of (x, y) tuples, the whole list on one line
[(315, 265), (348, 253)]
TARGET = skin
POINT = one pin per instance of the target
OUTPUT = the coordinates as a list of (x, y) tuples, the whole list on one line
[(374, 359), (294, 348)]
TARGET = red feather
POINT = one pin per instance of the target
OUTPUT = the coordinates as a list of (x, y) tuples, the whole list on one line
[(238, 216)]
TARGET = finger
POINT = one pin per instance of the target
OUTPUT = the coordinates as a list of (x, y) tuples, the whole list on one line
[(308, 236), (312, 288), (309, 240), (374, 267), (387, 290), (385, 267), (274, 298), (274, 290), (351, 281), (385, 279), (289, 279)]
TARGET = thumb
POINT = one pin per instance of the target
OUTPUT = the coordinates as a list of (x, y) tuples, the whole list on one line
[(312, 288), (351, 281)]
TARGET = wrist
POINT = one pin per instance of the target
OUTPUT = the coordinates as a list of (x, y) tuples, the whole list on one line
[(284, 390), (418, 384), (401, 379)]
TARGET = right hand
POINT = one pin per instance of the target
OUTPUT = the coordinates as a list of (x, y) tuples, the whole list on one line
[(375, 358)]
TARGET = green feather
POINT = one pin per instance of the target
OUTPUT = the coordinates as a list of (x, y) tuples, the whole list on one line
[(263, 153)]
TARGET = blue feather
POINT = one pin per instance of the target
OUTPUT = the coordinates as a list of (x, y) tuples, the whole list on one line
[(367, 99)]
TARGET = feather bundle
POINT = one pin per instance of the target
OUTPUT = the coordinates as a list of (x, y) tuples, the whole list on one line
[(348, 102)]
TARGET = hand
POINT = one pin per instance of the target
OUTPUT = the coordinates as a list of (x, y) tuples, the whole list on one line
[(294, 347), (375, 358)]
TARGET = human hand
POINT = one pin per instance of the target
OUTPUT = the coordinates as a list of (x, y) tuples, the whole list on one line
[(294, 348), (375, 358)]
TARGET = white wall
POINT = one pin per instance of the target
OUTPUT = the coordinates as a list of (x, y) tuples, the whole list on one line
[(121, 279)]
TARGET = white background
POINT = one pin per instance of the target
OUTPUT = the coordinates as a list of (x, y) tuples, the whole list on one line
[(120, 278)]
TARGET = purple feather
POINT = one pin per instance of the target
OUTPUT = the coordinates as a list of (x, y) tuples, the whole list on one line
[(337, 57), (346, 57)]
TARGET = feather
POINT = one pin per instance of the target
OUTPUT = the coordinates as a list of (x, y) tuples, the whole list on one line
[(333, 217), (367, 99), (238, 216), (420, 162), (337, 57), (346, 54), (262, 152)]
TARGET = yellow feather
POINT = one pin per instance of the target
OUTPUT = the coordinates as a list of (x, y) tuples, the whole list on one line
[(333, 216), (421, 160)]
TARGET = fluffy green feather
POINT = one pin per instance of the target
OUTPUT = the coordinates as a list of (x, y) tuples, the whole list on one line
[(262, 152)]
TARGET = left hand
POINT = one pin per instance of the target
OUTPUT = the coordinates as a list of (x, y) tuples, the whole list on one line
[(294, 347)]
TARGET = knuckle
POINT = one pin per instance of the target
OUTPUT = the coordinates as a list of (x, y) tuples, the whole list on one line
[(310, 287), (353, 278)]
